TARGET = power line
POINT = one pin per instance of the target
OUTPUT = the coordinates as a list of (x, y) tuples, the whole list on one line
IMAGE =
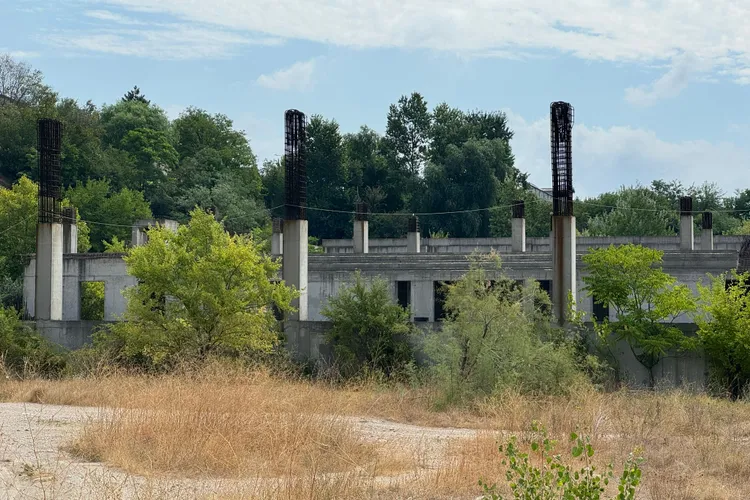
[(18, 223)]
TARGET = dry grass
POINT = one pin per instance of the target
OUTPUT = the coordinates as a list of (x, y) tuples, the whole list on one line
[(298, 436)]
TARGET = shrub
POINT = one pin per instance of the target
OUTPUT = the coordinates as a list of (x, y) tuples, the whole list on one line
[(724, 331), (556, 480), (368, 331), (201, 292), (645, 298), (24, 352), (498, 335)]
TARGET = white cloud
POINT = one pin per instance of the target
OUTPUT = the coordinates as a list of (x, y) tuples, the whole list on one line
[(606, 158), (105, 15), (20, 54), (298, 76), (175, 41), (668, 85), (615, 30)]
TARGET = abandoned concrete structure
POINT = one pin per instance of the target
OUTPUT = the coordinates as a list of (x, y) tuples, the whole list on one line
[(415, 267)]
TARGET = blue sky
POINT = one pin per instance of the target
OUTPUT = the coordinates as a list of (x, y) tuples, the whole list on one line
[(661, 89)]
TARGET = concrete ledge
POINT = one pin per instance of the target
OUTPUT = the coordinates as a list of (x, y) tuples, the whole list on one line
[(68, 334)]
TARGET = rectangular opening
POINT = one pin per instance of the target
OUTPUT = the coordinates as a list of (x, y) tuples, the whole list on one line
[(546, 285), (403, 294), (440, 294), (92, 300), (601, 311)]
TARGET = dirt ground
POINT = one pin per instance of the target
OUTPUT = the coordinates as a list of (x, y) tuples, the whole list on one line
[(33, 463)]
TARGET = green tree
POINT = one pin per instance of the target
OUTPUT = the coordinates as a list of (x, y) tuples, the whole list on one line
[(637, 211), (125, 116), (407, 132), (328, 180), (497, 335), (92, 300), (17, 141), (18, 215), (196, 130), (25, 352), (112, 213), (82, 155), (469, 179), (135, 95), (451, 126), (724, 330), (272, 178), (538, 212), (115, 246), (646, 300), (20, 83), (368, 330), (200, 292)]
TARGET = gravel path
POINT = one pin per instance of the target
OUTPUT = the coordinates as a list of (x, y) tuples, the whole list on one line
[(33, 465)]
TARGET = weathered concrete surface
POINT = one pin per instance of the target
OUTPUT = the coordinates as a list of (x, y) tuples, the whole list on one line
[(48, 287), (294, 266)]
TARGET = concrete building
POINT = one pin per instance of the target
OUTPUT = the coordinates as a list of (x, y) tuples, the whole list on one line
[(415, 268)]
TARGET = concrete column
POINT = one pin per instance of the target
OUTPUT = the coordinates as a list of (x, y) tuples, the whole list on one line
[(70, 230), (413, 236), (686, 224), (277, 237), (294, 267), (563, 265), (361, 229), (49, 271), (518, 227), (423, 300), (139, 234), (707, 232)]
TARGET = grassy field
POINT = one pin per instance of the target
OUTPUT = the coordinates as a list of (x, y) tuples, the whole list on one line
[(281, 437)]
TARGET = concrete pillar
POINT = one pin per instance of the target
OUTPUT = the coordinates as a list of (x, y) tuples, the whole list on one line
[(361, 229), (139, 233), (70, 230), (413, 236), (49, 271), (518, 227), (138, 236), (686, 224), (563, 266), (277, 237), (294, 268), (707, 232)]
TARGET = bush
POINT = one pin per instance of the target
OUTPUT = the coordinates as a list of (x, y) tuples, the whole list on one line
[(556, 480), (369, 331), (23, 351), (724, 331), (201, 292), (646, 300), (498, 335)]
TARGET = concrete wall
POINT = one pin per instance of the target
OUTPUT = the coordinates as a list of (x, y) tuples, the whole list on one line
[(327, 274), (306, 341), (68, 334), (533, 245), (106, 267)]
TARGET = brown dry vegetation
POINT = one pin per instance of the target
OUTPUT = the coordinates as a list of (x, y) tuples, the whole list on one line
[(299, 437)]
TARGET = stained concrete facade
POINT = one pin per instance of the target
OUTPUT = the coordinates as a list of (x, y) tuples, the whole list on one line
[(81, 267), (414, 280)]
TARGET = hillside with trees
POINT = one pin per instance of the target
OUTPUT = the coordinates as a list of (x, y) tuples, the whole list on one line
[(127, 160)]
